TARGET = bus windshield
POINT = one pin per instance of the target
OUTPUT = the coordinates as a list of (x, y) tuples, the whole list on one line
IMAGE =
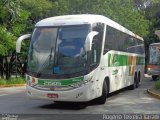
[(58, 50), (154, 52)]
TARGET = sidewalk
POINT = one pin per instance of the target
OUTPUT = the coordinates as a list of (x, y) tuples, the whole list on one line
[(152, 91), (12, 90), (12, 85), (146, 75)]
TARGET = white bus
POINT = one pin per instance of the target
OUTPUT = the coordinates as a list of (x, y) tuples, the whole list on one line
[(153, 67), (81, 57)]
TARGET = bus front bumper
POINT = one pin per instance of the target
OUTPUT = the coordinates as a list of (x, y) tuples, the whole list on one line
[(153, 72), (81, 94)]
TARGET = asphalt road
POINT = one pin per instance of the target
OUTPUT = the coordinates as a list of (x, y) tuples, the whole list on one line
[(14, 101)]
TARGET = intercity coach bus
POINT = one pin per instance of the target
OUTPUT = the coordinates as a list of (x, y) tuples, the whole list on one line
[(153, 67), (82, 57)]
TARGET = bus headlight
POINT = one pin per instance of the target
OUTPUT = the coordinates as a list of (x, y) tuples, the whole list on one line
[(33, 81), (89, 79), (149, 69), (79, 84)]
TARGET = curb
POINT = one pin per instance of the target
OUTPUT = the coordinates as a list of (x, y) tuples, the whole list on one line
[(154, 94), (147, 76), (12, 85)]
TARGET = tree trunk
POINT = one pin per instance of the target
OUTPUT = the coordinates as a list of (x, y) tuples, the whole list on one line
[(1, 67), (7, 68)]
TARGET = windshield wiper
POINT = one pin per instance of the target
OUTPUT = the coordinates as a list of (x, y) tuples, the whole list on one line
[(50, 55), (45, 63)]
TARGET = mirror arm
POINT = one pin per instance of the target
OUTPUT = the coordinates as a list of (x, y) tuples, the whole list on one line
[(19, 41), (89, 39)]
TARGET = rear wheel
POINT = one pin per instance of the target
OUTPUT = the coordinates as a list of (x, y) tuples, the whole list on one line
[(138, 80), (132, 87), (102, 98), (154, 77)]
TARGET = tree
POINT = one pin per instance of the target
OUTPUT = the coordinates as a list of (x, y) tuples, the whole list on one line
[(12, 19), (19, 16), (125, 12), (121, 11), (152, 13), (38, 9)]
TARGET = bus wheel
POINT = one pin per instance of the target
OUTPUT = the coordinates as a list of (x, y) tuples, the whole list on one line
[(102, 98), (138, 80), (154, 77), (132, 87)]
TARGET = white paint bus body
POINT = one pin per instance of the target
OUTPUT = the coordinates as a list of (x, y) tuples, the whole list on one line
[(118, 67)]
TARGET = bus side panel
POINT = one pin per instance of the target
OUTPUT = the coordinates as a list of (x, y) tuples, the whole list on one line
[(120, 67)]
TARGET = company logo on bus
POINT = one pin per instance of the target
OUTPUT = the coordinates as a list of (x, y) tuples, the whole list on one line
[(52, 83)]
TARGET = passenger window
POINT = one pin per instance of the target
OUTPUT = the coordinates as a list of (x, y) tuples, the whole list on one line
[(97, 43), (120, 41)]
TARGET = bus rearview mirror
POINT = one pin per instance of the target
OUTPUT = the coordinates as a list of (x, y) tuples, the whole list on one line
[(89, 39), (19, 41)]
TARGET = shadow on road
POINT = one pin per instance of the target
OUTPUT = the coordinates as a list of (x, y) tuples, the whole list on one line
[(65, 105)]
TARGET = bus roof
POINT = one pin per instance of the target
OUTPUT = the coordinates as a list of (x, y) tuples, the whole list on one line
[(155, 44), (82, 19)]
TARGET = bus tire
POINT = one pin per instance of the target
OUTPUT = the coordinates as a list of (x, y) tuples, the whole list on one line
[(154, 77), (138, 80), (103, 97), (132, 87)]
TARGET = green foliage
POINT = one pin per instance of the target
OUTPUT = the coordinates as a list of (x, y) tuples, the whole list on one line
[(3, 82), (12, 25), (18, 80), (18, 17), (12, 81), (157, 84), (152, 13), (20, 25), (121, 11), (60, 7), (38, 8), (6, 41), (12, 19)]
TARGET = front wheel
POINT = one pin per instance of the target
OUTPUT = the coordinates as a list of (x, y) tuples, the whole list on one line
[(102, 98)]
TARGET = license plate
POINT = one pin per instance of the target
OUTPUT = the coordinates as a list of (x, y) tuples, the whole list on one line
[(51, 95)]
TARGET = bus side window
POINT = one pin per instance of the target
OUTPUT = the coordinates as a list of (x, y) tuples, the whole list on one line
[(97, 43), (110, 40), (94, 51)]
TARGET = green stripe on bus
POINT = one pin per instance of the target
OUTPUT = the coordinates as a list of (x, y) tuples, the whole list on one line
[(140, 61), (123, 60), (61, 82)]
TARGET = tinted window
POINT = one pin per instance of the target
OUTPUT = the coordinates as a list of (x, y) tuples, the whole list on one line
[(97, 43), (119, 41), (154, 57)]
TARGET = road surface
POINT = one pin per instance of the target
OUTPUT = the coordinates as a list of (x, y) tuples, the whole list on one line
[(14, 101)]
